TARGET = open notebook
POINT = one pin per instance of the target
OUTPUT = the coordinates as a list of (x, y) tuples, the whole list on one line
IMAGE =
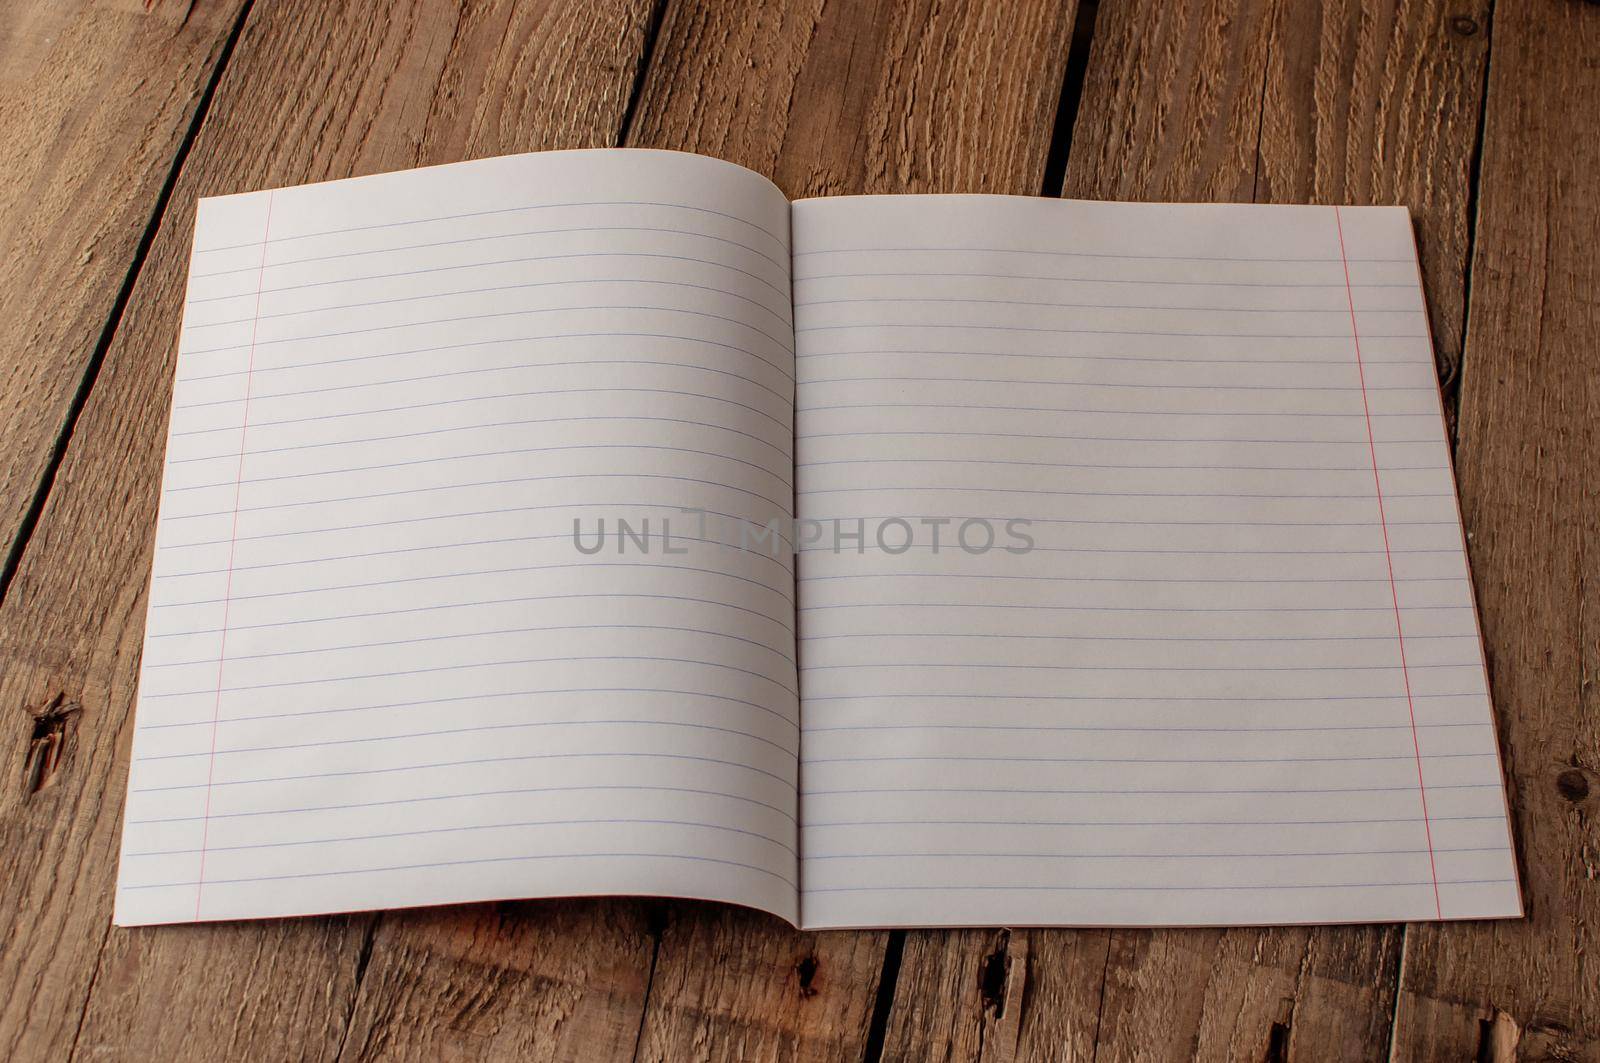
[(1130, 584)]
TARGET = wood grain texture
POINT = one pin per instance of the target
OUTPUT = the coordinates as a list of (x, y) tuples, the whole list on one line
[(1171, 103), (536, 980), (313, 91), (998, 995), (1250, 100), (95, 99), (740, 985), (890, 96), (1528, 462), (827, 99)]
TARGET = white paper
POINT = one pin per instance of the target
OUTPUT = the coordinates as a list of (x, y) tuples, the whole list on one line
[(378, 672), (1187, 704)]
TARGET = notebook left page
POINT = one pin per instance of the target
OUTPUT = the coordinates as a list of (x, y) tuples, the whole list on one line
[(399, 650)]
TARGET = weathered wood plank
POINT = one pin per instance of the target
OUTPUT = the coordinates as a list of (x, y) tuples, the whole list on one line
[(1171, 102), (95, 100), (313, 91), (893, 96), (538, 980), (998, 994), (1264, 100), (1381, 104), (1528, 461), (740, 985)]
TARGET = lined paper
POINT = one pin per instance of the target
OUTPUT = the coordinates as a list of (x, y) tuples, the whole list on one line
[(1131, 584), (1238, 678), (378, 672)]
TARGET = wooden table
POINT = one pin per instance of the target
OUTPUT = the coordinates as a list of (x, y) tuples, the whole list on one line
[(1482, 116)]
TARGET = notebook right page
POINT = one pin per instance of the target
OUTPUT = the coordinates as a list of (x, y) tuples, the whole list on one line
[(1133, 588)]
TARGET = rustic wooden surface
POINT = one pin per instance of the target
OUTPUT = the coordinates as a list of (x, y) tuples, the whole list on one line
[(1478, 114), (95, 102)]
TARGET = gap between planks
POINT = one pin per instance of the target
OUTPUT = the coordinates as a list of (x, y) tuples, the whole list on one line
[(91, 369)]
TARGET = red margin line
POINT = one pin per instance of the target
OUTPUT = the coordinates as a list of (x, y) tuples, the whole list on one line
[(233, 541), (1394, 593)]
